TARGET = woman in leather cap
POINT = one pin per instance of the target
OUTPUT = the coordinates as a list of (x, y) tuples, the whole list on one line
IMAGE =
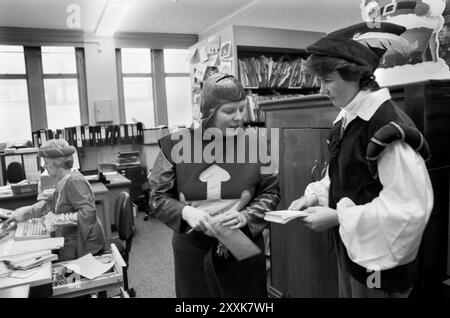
[(188, 196)]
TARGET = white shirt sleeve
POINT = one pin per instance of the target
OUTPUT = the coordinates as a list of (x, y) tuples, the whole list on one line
[(386, 232), (319, 189)]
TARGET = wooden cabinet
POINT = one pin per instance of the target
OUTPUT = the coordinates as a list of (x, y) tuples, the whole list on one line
[(303, 264)]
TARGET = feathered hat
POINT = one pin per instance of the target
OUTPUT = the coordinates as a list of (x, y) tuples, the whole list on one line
[(362, 44)]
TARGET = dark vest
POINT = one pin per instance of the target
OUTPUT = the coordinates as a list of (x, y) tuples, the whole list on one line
[(350, 177)]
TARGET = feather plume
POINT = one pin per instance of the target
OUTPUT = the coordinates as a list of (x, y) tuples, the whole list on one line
[(388, 41)]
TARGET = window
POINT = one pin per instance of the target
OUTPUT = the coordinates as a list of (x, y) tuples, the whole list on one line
[(136, 74), (178, 94), (15, 123), (59, 66), (52, 79)]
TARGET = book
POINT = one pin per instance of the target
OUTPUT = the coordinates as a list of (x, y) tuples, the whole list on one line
[(284, 216)]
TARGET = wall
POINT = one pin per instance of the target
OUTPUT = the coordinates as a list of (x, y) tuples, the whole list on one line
[(101, 77)]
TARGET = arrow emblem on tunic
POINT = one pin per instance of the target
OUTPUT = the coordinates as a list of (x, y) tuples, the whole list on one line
[(214, 176)]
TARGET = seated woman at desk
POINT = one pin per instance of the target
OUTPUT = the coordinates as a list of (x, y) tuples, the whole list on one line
[(71, 207)]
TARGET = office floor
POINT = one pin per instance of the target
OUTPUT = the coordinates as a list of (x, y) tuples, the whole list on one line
[(151, 271)]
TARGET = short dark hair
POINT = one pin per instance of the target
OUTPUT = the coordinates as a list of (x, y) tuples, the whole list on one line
[(322, 65)]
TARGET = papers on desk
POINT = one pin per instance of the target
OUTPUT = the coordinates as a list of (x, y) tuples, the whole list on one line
[(11, 247), (284, 216), (30, 260), (89, 267)]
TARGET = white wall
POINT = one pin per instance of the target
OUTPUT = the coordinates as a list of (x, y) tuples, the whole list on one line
[(101, 76)]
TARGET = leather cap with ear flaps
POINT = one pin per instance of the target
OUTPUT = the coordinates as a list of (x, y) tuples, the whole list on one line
[(217, 90)]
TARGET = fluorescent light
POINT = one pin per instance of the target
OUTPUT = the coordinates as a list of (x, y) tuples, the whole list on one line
[(113, 14)]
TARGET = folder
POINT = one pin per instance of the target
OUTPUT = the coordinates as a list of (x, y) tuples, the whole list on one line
[(86, 136), (36, 139), (122, 133), (78, 138), (130, 133), (102, 135), (43, 136), (135, 134)]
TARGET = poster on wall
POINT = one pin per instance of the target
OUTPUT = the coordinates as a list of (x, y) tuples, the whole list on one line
[(200, 71), (210, 70), (225, 50)]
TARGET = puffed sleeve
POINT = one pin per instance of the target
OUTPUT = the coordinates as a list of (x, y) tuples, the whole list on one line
[(164, 196), (266, 199), (387, 231), (319, 189)]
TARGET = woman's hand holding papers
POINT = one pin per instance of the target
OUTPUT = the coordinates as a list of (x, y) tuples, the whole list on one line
[(320, 218), (304, 202)]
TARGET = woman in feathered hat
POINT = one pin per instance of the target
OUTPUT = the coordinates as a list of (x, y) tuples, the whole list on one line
[(376, 197), (70, 211), (190, 195)]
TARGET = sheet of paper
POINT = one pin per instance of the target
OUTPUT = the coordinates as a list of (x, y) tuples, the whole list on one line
[(87, 266)]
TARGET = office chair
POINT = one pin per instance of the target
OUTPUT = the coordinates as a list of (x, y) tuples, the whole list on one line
[(125, 230), (14, 172)]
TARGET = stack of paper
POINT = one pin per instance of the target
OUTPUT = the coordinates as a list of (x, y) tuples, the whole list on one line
[(12, 247), (284, 216), (30, 260)]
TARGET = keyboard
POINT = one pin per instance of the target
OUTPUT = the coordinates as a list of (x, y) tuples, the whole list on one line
[(5, 214), (31, 229)]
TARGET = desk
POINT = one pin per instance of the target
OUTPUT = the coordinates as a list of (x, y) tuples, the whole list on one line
[(43, 279), (14, 201), (42, 275), (15, 292), (105, 198)]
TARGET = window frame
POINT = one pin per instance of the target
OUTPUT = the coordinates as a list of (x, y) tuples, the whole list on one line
[(27, 80), (34, 76), (158, 88), (80, 76), (173, 75)]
